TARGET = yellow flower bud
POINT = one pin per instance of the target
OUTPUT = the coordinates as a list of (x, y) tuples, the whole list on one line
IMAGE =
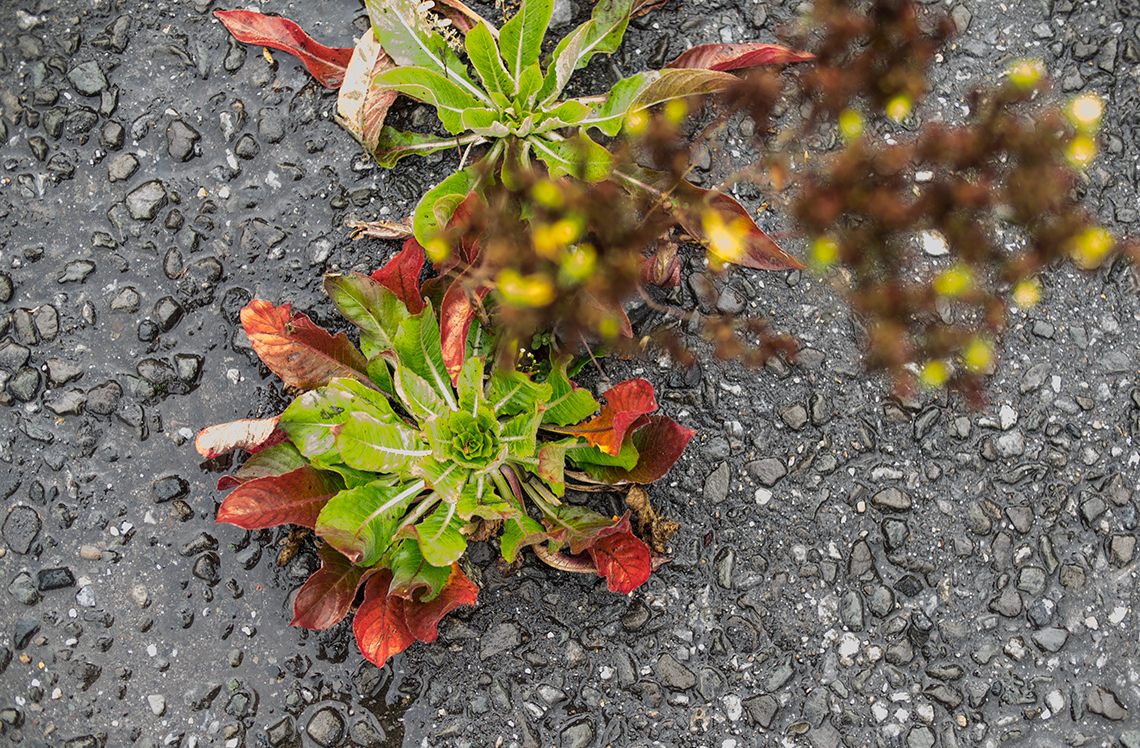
[(1027, 293), (1085, 112), (1081, 151), (438, 249), (934, 374), (824, 252), (954, 281), (547, 194), (850, 124), (636, 123), (1091, 246), (899, 107), (675, 111), (726, 241), (525, 290), (1026, 74), (979, 355), (577, 265)]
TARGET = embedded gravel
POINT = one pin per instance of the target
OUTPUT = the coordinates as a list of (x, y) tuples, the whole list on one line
[(853, 570)]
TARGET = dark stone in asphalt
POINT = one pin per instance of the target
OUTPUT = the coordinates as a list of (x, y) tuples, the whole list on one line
[(891, 500), (25, 385), (103, 399), (1008, 603), (87, 78), (326, 727), (761, 709), (767, 471), (21, 527), (675, 675), (144, 202), (180, 140), (55, 578), (1050, 639), (23, 631), (23, 588), (502, 638), (578, 734), (1105, 702), (170, 488)]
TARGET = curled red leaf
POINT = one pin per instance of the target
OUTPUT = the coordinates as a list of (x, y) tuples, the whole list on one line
[(623, 559), (423, 618), (380, 626), (626, 406), (326, 64), (295, 498), (325, 598), (725, 57), (456, 314), (297, 350), (401, 275), (660, 443), (250, 434)]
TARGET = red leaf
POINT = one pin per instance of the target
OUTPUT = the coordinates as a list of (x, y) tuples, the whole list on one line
[(380, 627), (326, 64), (250, 434), (761, 252), (293, 498), (662, 268), (626, 405), (226, 482), (324, 600), (724, 57), (298, 351), (456, 314), (401, 275), (623, 559), (659, 443), (422, 618)]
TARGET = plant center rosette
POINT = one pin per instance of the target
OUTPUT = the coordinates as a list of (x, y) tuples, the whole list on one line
[(401, 450)]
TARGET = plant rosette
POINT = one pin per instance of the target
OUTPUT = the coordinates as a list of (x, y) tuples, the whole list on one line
[(505, 100), (394, 463)]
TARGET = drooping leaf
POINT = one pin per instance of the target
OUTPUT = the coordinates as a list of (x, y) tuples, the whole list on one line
[(520, 39), (738, 56), (276, 460), (298, 351), (401, 276), (587, 455), (486, 123), (623, 559), (369, 305), (659, 444), (679, 84), (441, 541), (518, 532), (456, 313), (420, 350), (413, 578), (608, 113), (626, 404), (435, 209), (461, 16), (325, 598), (568, 404), (423, 617), (579, 527), (311, 419), (602, 34), (510, 392), (412, 43), (249, 434), (488, 64), (662, 268), (360, 522), (367, 443), (578, 157), (442, 91), (326, 64), (381, 228), (361, 107), (380, 627), (419, 397), (393, 145), (294, 498)]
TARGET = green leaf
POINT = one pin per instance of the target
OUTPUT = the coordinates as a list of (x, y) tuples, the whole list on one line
[(678, 84), (419, 349), (552, 464), (354, 478), (441, 541), (419, 398), (276, 460), (519, 434), (310, 420), (393, 145), (518, 532), (408, 40), (367, 304), (511, 392), (484, 55), (608, 115), (470, 385), (411, 574), (516, 164), (566, 114), (521, 37), (601, 34), (579, 157), (370, 444), (585, 454), (485, 123), (428, 86), (568, 403), (381, 375), (436, 207), (446, 478), (360, 522), (479, 499), (530, 81)]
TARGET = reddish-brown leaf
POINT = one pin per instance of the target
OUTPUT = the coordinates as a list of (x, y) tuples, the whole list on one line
[(250, 434), (625, 408), (456, 314), (294, 498), (298, 351), (662, 268), (461, 17), (659, 443), (725, 57), (623, 559), (761, 252), (401, 275), (326, 64), (324, 600), (423, 618), (361, 107), (380, 626)]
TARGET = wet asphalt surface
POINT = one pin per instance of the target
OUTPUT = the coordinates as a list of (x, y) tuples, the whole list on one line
[(853, 570)]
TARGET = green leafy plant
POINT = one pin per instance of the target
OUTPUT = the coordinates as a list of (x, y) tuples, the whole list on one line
[(394, 462)]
